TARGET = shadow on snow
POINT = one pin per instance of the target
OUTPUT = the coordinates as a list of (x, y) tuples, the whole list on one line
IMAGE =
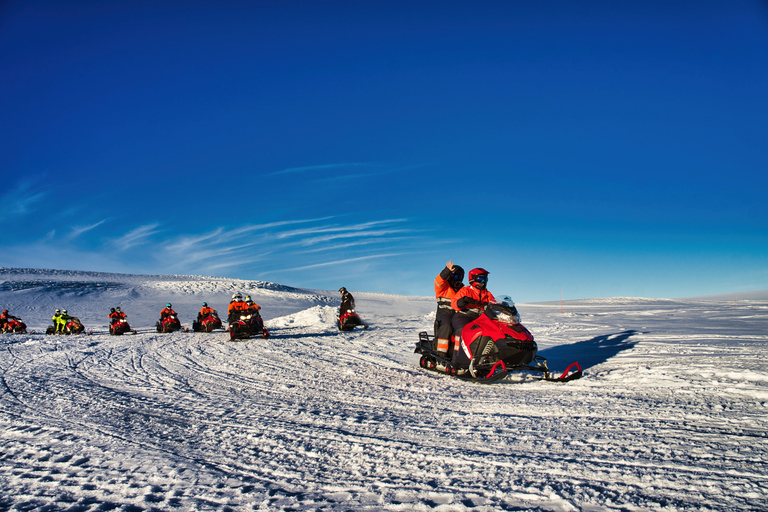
[(590, 352)]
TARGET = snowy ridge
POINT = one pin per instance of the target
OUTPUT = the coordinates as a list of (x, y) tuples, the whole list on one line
[(672, 413), (35, 293)]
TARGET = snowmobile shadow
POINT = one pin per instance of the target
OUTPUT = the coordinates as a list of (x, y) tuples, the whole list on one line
[(591, 352)]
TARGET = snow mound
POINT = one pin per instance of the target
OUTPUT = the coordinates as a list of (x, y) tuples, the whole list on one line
[(319, 317)]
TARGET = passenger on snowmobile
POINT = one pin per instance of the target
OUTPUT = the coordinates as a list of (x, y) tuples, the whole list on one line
[(447, 283), (251, 307), (469, 303)]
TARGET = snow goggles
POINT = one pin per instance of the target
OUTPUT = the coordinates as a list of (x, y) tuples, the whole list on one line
[(481, 279)]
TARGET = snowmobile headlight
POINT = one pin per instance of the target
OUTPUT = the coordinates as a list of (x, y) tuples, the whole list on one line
[(509, 318)]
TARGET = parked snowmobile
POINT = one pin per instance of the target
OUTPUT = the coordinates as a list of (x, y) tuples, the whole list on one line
[(120, 326), (349, 319), (493, 345), (14, 325), (207, 324), (247, 325), (168, 324), (73, 326)]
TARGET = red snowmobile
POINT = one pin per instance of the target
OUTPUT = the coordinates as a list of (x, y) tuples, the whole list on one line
[(207, 324), (14, 325), (169, 323), (492, 345), (120, 326), (349, 319), (246, 325)]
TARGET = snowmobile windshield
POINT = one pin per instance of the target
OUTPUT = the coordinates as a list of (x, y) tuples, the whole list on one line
[(505, 311), (506, 300)]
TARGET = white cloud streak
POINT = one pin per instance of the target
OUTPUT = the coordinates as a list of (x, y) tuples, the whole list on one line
[(341, 262), (79, 230), (19, 201), (135, 237)]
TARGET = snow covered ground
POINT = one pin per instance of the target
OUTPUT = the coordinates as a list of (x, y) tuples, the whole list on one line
[(671, 414)]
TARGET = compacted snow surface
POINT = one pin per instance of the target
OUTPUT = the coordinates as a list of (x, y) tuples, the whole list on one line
[(670, 414)]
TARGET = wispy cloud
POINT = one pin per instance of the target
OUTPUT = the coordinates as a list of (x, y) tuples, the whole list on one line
[(20, 200), (342, 262), (135, 237), (79, 230), (324, 167), (285, 243)]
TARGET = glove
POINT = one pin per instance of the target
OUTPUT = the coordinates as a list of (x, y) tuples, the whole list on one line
[(469, 302)]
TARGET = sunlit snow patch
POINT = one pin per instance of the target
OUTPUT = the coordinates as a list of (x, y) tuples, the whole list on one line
[(318, 317)]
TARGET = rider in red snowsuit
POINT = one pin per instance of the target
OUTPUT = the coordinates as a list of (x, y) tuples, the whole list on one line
[(469, 303)]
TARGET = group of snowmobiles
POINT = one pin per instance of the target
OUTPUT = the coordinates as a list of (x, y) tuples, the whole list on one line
[(243, 317), (489, 342)]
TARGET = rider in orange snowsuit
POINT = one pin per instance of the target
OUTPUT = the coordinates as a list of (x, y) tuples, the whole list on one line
[(205, 311), (447, 283), (236, 305), (168, 311)]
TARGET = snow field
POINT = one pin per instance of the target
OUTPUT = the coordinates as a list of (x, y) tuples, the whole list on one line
[(670, 415)]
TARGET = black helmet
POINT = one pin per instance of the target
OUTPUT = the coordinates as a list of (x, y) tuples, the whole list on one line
[(342, 290), (118, 310), (456, 278), (112, 310), (205, 304)]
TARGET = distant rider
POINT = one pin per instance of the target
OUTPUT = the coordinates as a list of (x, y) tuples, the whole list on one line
[(55, 319), (61, 321), (251, 307), (447, 283), (347, 301), (469, 303), (166, 312), (205, 311), (116, 315), (236, 307), (4, 317)]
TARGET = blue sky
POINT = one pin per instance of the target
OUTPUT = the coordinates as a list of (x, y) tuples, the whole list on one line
[(602, 148)]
